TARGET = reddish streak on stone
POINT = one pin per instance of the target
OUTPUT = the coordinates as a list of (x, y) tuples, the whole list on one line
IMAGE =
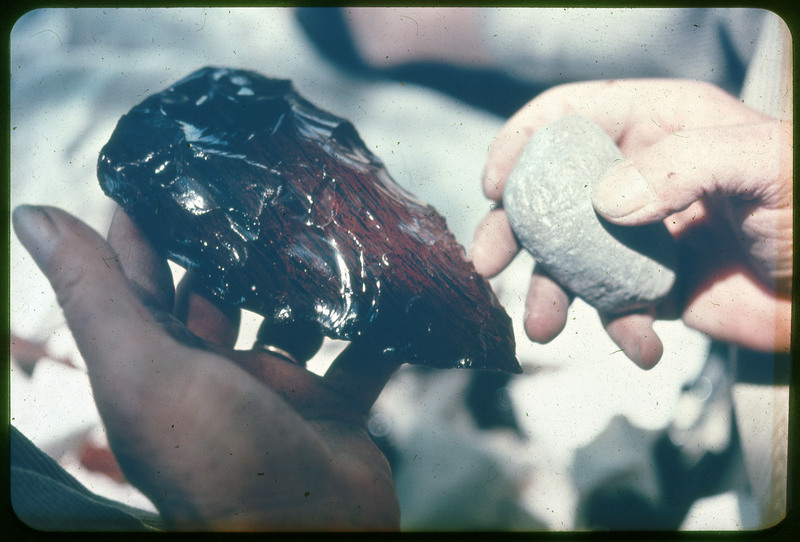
[(281, 209)]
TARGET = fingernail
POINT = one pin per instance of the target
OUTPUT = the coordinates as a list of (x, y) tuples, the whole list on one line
[(647, 351), (36, 230), (622, 192)]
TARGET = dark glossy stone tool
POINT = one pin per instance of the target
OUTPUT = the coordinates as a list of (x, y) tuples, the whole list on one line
[(280, 208)]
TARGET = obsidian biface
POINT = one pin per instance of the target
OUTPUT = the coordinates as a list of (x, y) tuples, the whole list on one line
[(279, 207)]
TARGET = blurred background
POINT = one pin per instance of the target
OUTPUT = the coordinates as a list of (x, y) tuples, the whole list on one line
[(583, 439)]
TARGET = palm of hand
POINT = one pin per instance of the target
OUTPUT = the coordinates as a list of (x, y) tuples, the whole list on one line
[(216, 438), (217, 447), (240, 452)]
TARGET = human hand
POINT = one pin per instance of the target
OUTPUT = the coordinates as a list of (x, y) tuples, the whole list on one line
[(218, 439), (719, 175)]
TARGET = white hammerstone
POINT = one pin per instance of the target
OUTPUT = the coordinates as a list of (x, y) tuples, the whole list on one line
[(547, 200)]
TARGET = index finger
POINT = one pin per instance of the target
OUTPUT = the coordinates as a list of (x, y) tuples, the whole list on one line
[(634, 112), (575, 98)]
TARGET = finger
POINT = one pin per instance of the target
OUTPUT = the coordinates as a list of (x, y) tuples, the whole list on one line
[(298, 341), (634, 112), (682, 168), (495, 244), (607, 103), (634, 334), (108, 320), (546, 307), (147, 270), (503, 155), (210, 320), (360, 373)]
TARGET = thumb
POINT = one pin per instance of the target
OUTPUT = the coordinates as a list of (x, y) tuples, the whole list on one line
[(108, 321), (670, 175)]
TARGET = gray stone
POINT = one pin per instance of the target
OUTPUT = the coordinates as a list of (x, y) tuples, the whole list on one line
[(547, 199)]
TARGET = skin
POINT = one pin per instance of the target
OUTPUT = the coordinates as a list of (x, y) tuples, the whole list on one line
[(719, 175), (391, 36), (218, 439), (242, 440)]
